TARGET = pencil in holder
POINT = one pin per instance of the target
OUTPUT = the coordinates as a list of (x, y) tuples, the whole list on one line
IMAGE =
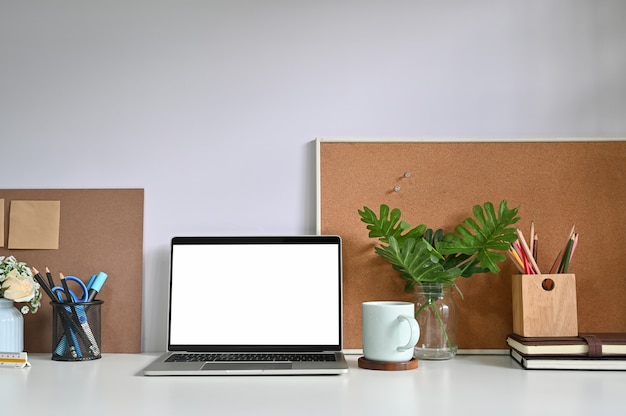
[(76, 331), (544, 305)]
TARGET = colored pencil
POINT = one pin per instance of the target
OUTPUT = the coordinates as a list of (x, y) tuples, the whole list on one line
[(516, 260), (531, 237), (567, 257), (520, 237)]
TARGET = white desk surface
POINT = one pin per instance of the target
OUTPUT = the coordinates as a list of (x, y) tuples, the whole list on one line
[(465, 385)]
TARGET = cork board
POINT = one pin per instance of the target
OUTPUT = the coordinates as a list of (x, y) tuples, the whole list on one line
[(100, 230), (555, 184)]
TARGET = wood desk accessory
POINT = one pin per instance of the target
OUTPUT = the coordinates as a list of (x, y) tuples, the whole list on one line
[(544, 305), (387, 366)]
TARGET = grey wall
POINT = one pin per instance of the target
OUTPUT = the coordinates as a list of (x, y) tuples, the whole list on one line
[(213, 106)]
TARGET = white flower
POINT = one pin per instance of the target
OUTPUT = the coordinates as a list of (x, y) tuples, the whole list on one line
[(19, 288)]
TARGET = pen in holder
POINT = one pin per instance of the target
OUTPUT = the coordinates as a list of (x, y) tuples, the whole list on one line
[(544, 305), (76, 330)]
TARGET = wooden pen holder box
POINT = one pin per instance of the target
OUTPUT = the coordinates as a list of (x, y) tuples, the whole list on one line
[(544, 305)]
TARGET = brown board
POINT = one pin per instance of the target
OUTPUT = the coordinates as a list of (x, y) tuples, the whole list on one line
[(555, 184), (100, 230)]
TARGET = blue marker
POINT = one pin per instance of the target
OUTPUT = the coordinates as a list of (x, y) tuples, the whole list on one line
[(91, 280), (95, 285)]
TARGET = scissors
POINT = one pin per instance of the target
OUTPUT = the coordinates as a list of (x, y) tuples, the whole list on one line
[(70, 294), (64, 294)]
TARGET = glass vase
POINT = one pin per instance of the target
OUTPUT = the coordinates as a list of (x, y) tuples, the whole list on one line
[(436, 314), (11, 327)]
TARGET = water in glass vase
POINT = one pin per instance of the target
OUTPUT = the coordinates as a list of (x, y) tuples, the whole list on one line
[(436, 314)]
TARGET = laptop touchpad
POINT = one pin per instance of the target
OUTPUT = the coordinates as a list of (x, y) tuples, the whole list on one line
[(242, 366)]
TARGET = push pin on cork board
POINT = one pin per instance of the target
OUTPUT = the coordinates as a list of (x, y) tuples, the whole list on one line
[(407, 174)]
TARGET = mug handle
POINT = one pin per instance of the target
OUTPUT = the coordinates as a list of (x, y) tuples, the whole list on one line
[(415, 331)]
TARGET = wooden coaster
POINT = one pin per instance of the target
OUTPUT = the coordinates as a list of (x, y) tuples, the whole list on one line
[(386, 366)]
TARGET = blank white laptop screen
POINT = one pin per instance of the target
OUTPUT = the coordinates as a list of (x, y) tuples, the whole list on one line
[(255, 294)]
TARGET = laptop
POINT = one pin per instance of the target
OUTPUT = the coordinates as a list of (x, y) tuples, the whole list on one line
[(254, 305)]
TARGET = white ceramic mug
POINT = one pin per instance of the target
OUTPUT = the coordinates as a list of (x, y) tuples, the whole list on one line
[(390, 331)]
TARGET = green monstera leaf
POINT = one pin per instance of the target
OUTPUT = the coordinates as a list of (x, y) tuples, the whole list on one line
[(388, 225), (417, 262), (422, 255), (484, 238)]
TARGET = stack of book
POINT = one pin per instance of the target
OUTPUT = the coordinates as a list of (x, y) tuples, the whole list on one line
[(598, 351)]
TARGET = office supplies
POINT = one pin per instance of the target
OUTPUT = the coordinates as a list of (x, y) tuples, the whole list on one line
[(49, 276), (569, 251), (72, 335), (47, 289), (237, 301), (76, 307), (351, 171), (561, 262), (532, 236), (540, 362), (585, 344), (71, 316), (76, 333), (76, 337), (520, 257), (517, 261), (527, 253), (69, 294), (34, 225), (64, 315), (106, 221), (544, 305), (95, 285), (14, 359)]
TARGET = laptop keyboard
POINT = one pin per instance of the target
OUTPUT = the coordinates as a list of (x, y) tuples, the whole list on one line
[(215, 357)]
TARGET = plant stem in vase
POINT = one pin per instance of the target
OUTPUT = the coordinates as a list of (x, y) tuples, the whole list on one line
[(436, 315)]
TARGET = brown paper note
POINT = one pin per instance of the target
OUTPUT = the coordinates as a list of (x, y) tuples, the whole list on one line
[(34, 224)]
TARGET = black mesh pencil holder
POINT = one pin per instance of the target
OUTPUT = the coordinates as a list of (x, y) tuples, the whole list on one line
[(76, 331)]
